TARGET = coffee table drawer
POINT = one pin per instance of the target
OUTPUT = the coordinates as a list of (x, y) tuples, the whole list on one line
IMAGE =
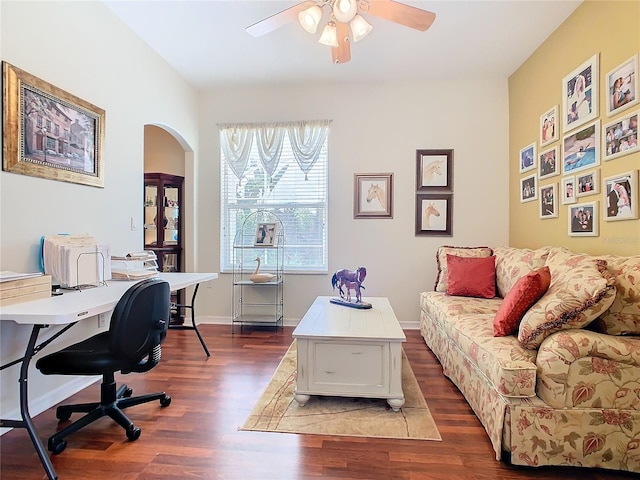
[(353, 368)]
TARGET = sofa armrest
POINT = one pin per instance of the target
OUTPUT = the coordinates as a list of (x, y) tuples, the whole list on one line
[(584, 369)]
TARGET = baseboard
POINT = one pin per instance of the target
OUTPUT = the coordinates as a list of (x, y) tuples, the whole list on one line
[(52, 397), (288, 322)]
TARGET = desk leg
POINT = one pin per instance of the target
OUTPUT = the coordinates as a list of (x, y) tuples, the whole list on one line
[(193, 320), (26, 421)]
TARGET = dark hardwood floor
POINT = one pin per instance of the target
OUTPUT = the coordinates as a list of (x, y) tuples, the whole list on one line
[(197, 436)]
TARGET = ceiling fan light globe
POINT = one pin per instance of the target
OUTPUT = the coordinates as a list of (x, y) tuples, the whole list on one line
[(345, 10), (360, 28), (329, 35), (310, 18)]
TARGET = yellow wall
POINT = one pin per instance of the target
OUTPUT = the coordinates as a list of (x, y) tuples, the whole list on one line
[(612, 29), (162, 152)]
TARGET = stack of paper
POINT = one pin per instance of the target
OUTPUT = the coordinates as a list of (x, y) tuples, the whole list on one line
[(75, 260), (134, 266)]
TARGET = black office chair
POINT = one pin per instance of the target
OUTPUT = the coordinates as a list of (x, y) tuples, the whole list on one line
[(132, 344)]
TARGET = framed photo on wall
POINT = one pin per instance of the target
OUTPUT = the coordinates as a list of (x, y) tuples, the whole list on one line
[(620, 137), (549, 201), (568, 190), (587, 183), (548, 163), (549, 126), (622, 86), (528, 189), (583, 219), (373, 195), (434, 170), (527, 158), (581, 149), (580, 95), (50, 133), (621, 196), (434, 214)]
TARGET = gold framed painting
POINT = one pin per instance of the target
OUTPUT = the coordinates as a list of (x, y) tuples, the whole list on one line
[(50, 133)]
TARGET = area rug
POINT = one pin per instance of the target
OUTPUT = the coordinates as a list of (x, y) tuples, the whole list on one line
[(277, 411)]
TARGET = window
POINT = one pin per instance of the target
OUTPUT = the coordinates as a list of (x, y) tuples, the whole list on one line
[(282, 168)]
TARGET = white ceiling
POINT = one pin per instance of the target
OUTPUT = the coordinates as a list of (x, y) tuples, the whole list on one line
[(207, 43)]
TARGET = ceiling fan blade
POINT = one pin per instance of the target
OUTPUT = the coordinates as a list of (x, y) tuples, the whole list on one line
[(397, 12), (342, 53), (279, 19)]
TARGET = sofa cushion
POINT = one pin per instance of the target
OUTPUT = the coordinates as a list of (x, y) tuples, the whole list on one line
[(514, 263), (623, 316), (471, 277), (524, 293), (581, 289), (468, 322), (441, 261)]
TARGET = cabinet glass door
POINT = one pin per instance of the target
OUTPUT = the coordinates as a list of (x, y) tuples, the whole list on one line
[(171, 216), (150, 215)]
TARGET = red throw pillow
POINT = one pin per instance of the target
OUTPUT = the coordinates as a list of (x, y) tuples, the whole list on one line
[(471, 277), (526, 291)]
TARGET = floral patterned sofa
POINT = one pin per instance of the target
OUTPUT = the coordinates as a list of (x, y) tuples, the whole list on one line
[(564, 387)]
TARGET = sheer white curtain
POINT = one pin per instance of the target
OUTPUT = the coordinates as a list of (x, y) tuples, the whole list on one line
[(306, 137)]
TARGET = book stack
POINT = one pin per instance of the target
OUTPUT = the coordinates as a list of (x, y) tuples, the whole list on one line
[(22, 287), (134, 266)]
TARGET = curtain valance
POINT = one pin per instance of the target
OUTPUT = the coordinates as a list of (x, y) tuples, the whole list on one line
[(306, 137)]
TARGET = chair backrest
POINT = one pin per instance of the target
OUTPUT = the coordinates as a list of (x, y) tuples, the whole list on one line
[(139, 324)]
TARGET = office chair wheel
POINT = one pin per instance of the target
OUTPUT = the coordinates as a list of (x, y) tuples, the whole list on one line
[(127, 392), (133, 433), (62, 414), (57, 447), (165, 401)]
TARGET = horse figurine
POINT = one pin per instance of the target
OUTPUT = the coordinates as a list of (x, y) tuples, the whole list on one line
[(351, 280), (376, 191)]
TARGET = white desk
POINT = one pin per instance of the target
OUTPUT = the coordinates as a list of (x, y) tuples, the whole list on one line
[(67, 309)]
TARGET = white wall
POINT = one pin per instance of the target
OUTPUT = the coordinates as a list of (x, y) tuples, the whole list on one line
[(376, 128), (84, 49)]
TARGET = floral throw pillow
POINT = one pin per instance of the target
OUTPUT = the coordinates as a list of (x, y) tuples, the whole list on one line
[(514, 263), (623, 316), (525, 292), (441, 260), (581, 289)]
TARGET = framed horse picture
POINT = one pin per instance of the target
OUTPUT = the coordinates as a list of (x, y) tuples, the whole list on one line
[(434, 170), (434, 214), (373, 195)]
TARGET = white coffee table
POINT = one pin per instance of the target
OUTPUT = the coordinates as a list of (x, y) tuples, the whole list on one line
[(349, 352)]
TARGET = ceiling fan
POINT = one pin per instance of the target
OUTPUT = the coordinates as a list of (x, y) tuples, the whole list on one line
[(344, 15)]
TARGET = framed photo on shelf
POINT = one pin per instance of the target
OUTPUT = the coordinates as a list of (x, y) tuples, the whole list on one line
[(581, 149), (50, 133), (434, 214), (527, 158), (580, 95), (588, 183), (549, 126), (548, 163), (568, 190), (621, 196), (620, 137), (549, 201), (583, 219), (266, 235), (528, 189), (622, 86), (434, 170), (373, 195)]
